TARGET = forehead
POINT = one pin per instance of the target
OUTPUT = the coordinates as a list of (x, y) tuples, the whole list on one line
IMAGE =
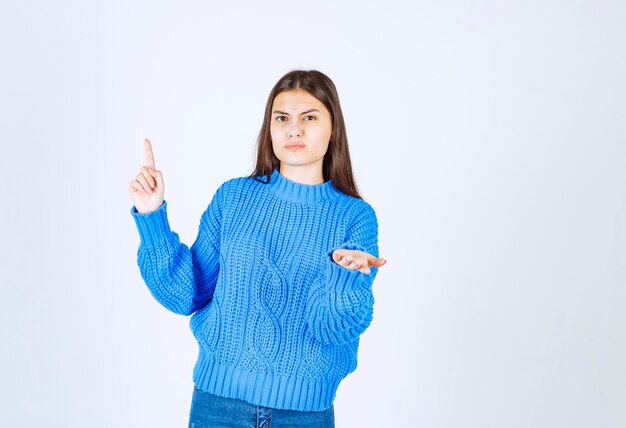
[(298, 100)]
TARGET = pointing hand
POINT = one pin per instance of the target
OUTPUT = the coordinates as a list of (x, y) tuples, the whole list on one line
[(147, 189)]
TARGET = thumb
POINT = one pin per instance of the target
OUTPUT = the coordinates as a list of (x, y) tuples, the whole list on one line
[(157, 176)]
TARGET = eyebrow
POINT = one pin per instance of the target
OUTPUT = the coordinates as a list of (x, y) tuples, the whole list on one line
[(304, 112)]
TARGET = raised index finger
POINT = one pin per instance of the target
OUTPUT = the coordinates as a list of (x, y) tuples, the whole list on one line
[(149, 154)]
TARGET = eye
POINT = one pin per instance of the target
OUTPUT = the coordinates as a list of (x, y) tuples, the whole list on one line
[(312, 117), (280, 118)]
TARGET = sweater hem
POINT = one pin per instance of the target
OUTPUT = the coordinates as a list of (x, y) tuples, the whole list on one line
[(263, 389)]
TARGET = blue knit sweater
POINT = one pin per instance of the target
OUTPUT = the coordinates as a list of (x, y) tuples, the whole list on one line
[(276, 319)]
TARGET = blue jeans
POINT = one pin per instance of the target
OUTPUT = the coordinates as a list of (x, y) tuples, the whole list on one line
[(209, 410)]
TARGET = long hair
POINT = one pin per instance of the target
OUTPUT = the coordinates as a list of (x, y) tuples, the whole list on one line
[(336, 164)]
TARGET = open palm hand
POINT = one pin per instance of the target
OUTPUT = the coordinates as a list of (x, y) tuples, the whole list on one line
[(357, 260)]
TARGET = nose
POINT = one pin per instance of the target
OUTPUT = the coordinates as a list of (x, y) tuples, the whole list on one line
[(295, 131)]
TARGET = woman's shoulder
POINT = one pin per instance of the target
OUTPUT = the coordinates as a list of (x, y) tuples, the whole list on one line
[(355, 204), (356, 210), (238, 182), (236, 186)]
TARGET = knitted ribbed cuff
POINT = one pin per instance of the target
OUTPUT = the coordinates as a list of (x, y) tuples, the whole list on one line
[(152, 226), (344, 279)]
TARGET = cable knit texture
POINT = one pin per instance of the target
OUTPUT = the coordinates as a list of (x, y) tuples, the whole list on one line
[(276, 319)]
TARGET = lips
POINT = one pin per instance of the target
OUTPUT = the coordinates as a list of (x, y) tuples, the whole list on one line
[(294, 146)]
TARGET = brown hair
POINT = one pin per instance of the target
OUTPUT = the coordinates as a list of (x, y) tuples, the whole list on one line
[(336, 165)]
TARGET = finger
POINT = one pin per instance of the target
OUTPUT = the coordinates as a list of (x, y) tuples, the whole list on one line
[(149, 154), (348, 264), (338, 255), (149, 177), (378, 262), (375, 261), (144, 184), (359, 265), (354, 264), (144, 187), (135, 187)]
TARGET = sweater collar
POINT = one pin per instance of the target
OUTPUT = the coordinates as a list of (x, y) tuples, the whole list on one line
[(301, 193)]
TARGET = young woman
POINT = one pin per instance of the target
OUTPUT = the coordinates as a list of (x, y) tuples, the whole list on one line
[(279, 279)]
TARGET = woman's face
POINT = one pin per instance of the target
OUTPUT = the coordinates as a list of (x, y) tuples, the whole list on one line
[(300, 128)]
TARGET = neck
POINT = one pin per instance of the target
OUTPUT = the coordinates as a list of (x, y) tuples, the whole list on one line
[(305, 174)]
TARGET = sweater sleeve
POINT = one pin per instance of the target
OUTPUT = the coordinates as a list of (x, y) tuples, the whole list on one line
[(342, 303), (182, 279)]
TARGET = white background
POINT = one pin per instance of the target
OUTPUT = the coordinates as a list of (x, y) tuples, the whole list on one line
[(489, 136)]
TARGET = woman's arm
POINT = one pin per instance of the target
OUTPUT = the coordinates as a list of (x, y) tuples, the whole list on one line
[(181, 279), (342, 303)]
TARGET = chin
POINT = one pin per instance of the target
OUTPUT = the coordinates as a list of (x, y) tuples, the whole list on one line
[(294, 159)]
